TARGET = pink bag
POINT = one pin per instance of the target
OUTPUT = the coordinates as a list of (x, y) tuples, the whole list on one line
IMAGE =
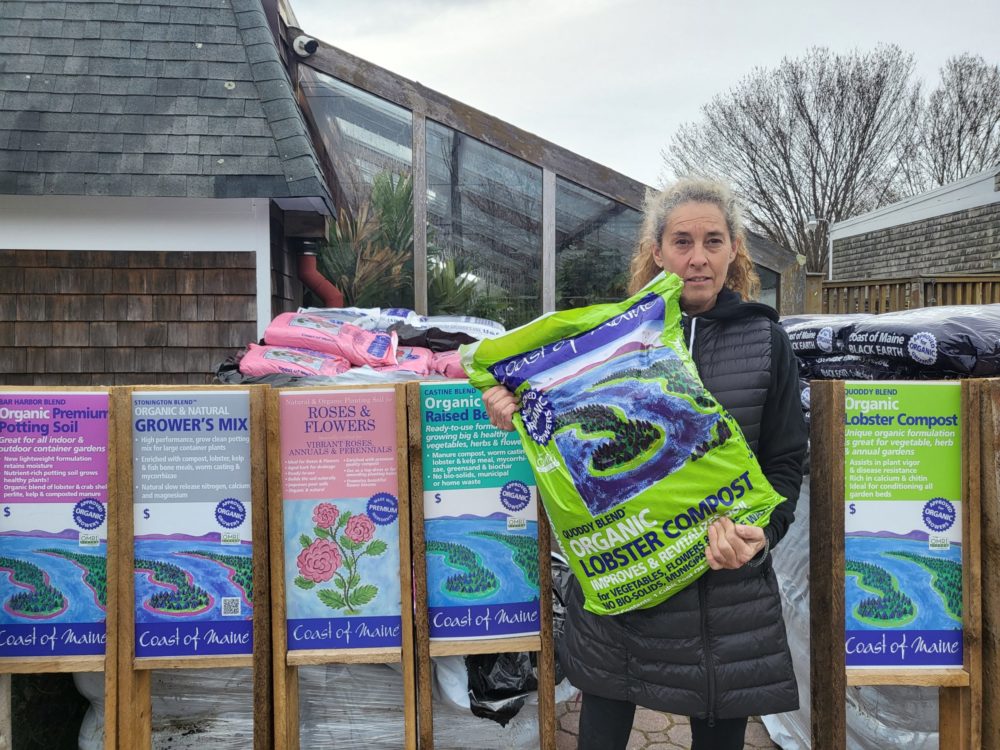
[(356, 345), (415, 359), (270, 360), (448, 364)]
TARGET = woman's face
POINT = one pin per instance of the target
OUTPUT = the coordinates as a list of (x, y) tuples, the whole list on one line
[(697, 247)]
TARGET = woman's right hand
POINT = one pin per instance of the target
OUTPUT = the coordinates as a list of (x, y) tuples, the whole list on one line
[(500, 406)]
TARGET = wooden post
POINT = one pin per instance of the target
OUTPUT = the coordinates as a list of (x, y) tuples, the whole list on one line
[(546, 655), (263, 682), (990, 551), (285, 662), (826, 566), (6, 739), (418, 553)]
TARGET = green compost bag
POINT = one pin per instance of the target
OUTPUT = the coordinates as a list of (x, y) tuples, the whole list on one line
[(633, 457)]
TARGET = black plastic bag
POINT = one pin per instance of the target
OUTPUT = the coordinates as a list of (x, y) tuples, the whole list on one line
[(943, 341), (432, 338), (853, 367), (499, 683), (818, 335)]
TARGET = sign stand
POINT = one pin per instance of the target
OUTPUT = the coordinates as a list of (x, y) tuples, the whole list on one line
[(425, 648), (287, 662), (74, 425), (961, 688), (134, 687)]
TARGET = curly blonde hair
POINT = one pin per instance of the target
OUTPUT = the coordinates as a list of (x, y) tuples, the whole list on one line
[(742, 277)]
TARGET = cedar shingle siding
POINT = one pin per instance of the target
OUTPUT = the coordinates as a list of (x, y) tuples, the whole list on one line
[(961, 242), (116, 318)]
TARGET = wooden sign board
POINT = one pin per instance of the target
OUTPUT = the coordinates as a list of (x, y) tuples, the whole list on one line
[(193, 549), (895, 557), (340, 546), (56, 458), (480, 544)]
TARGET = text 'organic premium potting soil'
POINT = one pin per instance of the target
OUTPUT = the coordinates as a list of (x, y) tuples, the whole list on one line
[(633, 457)]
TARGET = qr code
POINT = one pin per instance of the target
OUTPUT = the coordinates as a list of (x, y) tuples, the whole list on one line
[(230, 606)]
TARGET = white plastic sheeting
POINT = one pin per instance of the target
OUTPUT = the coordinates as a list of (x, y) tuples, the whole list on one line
[(350, 707)]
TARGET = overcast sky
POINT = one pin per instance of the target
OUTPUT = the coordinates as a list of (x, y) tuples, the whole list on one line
[(613, 79)]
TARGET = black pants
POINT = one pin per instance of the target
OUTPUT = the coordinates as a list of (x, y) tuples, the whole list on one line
[(605, 724)]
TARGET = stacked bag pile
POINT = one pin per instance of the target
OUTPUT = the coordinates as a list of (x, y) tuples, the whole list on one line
[(320, 344), (958, 341)]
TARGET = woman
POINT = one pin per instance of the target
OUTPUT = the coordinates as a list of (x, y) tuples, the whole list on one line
[(715, 651)]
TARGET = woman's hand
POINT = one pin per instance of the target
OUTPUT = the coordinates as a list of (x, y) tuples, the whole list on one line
[(731, 545), (500, 406)]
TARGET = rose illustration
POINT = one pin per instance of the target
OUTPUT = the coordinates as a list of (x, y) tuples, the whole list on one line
[(360, 528), (325, 515), (339, 540), (319, 561)]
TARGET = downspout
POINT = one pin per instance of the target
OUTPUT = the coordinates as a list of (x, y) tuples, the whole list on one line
[(313, 280)]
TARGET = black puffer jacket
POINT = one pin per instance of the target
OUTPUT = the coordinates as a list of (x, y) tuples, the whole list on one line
[(717, 648)]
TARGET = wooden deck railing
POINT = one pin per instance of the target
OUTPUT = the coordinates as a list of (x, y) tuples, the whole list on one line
[(886, 295)]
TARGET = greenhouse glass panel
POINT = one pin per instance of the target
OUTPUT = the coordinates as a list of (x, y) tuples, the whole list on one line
[(595, 239), (368, 142), (484, 230), (769, 283)]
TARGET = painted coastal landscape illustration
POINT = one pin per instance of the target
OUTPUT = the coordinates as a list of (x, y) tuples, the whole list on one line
[(49, 577), (894, 581), (477, 560), (192, 577), (624, 423)]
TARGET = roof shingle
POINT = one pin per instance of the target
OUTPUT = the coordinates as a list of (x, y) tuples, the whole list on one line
[(168, 98)]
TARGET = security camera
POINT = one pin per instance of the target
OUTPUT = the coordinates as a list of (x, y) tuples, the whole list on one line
[(305, 45)]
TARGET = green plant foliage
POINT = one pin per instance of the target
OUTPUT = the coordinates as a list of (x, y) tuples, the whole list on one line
[(376, 547), (304, 583), (449, 290), (362, 595), (331, 598), (369, 255), (582, 277)]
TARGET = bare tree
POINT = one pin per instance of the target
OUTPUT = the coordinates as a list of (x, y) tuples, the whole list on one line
[(816, 137), (960, 127)]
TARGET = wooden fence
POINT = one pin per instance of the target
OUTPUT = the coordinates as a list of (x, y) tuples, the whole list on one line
[(886, 295)]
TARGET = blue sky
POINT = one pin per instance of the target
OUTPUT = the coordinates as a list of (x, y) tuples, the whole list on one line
[(613, 79)]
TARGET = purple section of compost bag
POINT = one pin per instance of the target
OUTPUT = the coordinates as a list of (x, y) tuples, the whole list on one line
[(514, 371)]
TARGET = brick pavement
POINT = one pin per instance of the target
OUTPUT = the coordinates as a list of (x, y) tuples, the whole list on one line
[(652, 730)]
